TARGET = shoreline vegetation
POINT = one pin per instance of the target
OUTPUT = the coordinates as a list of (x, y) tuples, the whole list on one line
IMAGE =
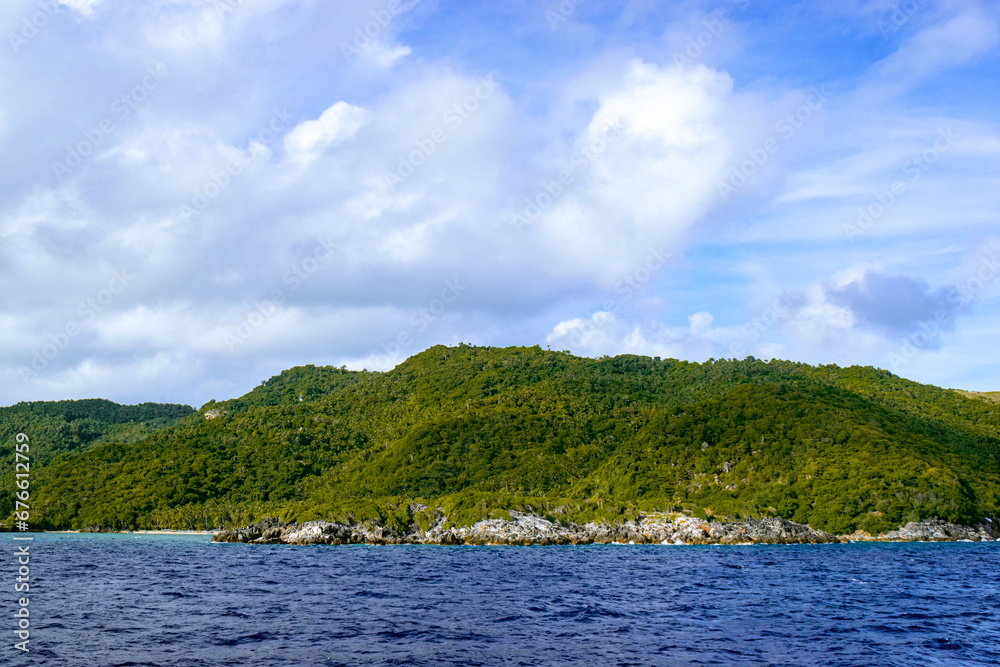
[(492, 434)]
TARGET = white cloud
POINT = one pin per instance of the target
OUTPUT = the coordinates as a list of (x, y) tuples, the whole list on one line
[(607, 333), (649, 179), (85, 7), (700, 323), (195, 26), (663, 174), (341, 121), (383, 55), (952, 43), (184, 32), (819, 322)]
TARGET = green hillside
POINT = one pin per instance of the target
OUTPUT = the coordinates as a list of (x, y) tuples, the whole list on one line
[(58, 430), (478, 431)]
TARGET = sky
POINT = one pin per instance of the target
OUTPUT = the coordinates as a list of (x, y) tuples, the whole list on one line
[(198, 194)]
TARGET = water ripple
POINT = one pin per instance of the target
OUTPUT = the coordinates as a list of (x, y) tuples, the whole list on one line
[(179, 601)]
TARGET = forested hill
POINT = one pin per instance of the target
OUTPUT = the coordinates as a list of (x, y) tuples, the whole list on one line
[(477, 431), (65, 428)]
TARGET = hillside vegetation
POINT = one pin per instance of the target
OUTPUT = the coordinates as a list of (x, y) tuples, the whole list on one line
[(478, 431), (57, 430)]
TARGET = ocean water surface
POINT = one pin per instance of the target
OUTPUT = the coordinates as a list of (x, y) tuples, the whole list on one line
[(176, 601)]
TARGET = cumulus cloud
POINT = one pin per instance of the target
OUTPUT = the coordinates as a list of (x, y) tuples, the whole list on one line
[(311, 137), (641, 172), (672, 147)]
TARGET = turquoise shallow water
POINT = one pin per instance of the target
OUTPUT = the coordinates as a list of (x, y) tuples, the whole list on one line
[(181, 600)]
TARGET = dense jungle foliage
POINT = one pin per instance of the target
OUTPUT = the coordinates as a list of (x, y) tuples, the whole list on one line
[(57, 430), (478, 431)]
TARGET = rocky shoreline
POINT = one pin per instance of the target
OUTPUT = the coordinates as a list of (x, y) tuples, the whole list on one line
[(529, 529), (933, 530)]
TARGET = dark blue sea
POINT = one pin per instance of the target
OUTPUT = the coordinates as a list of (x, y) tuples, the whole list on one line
[(180, 600)]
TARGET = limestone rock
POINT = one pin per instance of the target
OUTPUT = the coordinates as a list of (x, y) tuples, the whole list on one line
[(655, 528), (933, 530)]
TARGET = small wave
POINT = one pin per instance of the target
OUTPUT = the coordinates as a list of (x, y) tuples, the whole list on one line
[(372, 594), (254, 638)]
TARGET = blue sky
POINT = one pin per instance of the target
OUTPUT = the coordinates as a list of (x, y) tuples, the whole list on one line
[(196, 195)]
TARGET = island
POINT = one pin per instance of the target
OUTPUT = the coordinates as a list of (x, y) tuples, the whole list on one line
[(522, 445)]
